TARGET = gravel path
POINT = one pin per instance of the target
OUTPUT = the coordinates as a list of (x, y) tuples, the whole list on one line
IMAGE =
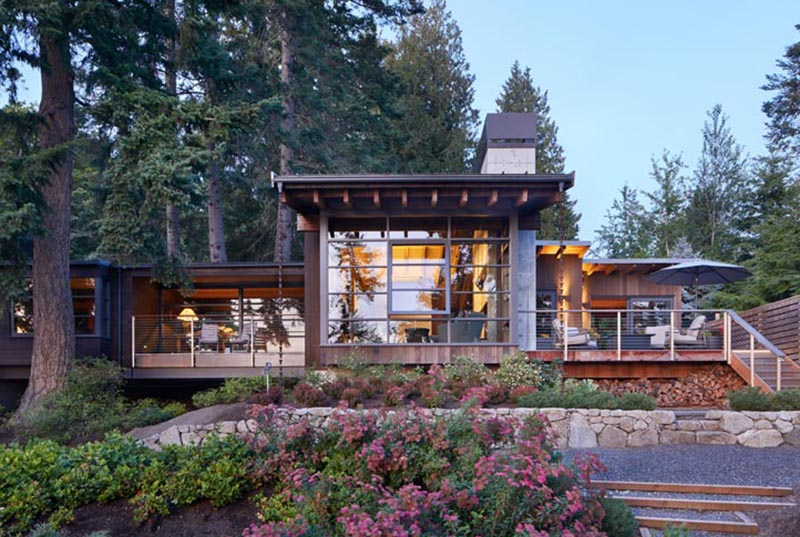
[(725, 465)]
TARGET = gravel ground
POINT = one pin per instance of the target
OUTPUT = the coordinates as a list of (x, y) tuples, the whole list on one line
[(724, 465)]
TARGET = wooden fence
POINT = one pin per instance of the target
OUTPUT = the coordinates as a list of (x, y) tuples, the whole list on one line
[(779, 322)]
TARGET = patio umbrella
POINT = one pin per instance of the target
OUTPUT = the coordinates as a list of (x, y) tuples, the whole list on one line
[(697, 273)]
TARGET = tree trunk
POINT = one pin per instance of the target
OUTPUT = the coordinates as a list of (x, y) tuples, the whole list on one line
[(283, 232), (171, 82), (53, 320), (216, 225)]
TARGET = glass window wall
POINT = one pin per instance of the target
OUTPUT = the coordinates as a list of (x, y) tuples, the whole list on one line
[(418, 280)]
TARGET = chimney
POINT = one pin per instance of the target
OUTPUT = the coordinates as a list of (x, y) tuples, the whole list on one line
[(508, 144)]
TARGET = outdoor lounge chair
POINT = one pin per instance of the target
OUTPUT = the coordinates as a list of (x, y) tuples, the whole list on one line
[(209, 337), (575, 336), (693, 335), (241, 338)]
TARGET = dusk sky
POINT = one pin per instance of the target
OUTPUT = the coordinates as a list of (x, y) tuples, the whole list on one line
[(628, 79)]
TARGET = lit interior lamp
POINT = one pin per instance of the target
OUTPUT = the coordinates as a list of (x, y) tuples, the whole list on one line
[(188, 314)]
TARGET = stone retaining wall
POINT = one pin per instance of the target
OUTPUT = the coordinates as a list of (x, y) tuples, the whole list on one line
[(574, 428)]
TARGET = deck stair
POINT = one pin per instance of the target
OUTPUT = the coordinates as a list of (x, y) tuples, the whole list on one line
[(756, 359), (729, 503)]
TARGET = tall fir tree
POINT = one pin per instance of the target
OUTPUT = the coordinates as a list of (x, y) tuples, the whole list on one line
[(783, 109), (718, 193), (116, 41), (668, 204), (437, 119), (519, 94), (628, 230)]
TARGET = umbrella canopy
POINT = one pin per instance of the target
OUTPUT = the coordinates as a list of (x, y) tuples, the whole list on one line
[(697, 273)]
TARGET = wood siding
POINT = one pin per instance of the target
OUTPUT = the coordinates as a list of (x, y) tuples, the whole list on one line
[(779, 322), (619, 284), (312, 298), (547, 277)]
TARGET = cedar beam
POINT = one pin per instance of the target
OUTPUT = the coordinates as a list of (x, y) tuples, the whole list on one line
[(523, 198), (464, 198), (492, 199), (346, 199), (376, 198), (318, 200), (404, 199), (434, 198)]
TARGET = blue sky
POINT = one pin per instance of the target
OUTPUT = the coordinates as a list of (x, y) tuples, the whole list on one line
[(628, 79)]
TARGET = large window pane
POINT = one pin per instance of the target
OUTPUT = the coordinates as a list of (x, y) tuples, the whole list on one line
[(357, 280), (357, 228), (418, 228), (356, 254), (354, 332), (479, 228), (416, 300), (352, 306), (479, 253), (479, 279), (418, 254), (84, 308)]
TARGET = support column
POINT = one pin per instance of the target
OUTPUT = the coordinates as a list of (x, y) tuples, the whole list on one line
[(525, 292)]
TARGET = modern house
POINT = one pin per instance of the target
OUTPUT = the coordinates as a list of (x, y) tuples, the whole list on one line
[(410, 269)]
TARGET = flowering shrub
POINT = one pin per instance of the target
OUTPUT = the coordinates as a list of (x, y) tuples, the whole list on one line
[(308, 395), (273, 396), (515, 394), (518, 370), (403, 473)]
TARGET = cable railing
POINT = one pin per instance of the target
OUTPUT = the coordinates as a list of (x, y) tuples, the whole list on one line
[(763, 360), (669, 331), (217, 340)]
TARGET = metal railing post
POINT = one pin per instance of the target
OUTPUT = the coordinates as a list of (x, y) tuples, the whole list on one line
[(780, 365), (565, 335), (133, 342), (252, 344), (726, 336), (191, 341), (752, 360), (671, 335), (619, 335)]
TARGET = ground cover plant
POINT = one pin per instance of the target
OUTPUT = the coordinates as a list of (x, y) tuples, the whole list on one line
[(753, 398), (366, 473), (90, 405)]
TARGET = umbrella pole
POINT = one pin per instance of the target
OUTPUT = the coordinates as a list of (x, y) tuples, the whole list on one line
[(696, 290)]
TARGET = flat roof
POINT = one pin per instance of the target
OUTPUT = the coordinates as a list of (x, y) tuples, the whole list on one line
[(376, 180)]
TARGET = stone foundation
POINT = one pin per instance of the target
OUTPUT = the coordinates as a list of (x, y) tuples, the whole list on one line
[(574, 428)]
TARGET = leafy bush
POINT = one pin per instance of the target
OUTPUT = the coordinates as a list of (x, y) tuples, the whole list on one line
[(273, 396), (465, 369), (754, 399), (618, 520), (516, 393), (90, 405), (584, 394), (308, 395), (233, 390), (635, 401), (517, 370)]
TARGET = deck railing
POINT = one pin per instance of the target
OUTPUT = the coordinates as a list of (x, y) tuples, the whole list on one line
[(669, 331), (246, 340), (748, 347)]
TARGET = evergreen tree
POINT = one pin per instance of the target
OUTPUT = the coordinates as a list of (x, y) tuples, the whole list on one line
[(783, 110), (667, 204), (628, 231), (437, 119), (520, 95), (116, 41), (718, 193)]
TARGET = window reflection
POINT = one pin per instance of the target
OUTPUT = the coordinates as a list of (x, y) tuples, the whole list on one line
[(84, 308)]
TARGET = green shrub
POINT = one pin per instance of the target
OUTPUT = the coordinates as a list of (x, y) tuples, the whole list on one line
[(636, 401), (465, 369), (233, 390), (751, 398), (584, 394), (90, 404), (676, 531), (786, 400), (618, 520), (517, 370)]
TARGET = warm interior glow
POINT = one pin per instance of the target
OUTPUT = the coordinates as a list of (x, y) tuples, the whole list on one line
[(188, 314)]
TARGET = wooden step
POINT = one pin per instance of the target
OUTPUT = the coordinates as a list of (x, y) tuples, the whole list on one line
[(692, 488), (700, 505), (717, 526)]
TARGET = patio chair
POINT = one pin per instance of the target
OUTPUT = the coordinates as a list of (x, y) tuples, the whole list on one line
[(575, 336), (242, 337), (692, 335), (463, 331), (209, 337)]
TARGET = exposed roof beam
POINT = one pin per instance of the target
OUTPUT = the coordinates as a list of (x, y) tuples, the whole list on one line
[(492, 199), (346, 199), (434, 198), (318, 200), (462, 202), (404, 198), (376, 198), (523, 198)]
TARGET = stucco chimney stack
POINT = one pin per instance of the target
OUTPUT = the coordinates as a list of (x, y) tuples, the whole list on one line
[(508, 144)]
